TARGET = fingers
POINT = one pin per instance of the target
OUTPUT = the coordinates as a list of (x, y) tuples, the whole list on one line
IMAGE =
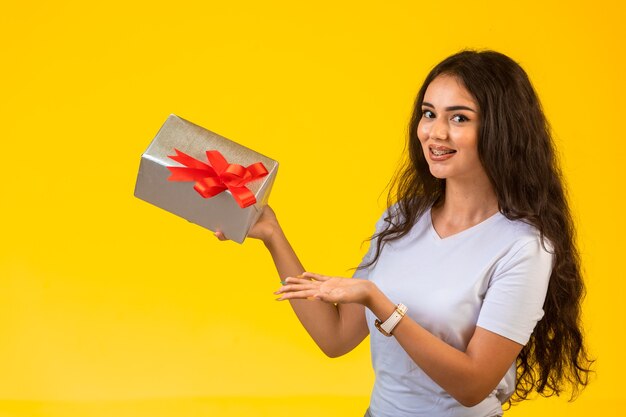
[(299, 295), (305, 286), (298, 280), (220, 235), (296, 288), (315, 276)]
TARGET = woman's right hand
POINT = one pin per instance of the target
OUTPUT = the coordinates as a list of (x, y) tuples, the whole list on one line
[(263, 229)]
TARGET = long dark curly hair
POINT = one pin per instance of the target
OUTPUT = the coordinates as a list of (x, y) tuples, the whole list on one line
[(517, 152)]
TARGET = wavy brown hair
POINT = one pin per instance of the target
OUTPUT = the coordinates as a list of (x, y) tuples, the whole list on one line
[(516, 149)]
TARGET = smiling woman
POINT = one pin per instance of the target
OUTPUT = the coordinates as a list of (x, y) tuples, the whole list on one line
[(471, 288)]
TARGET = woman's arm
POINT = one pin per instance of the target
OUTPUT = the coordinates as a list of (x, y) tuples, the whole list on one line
[(336, 329), (467, 376)]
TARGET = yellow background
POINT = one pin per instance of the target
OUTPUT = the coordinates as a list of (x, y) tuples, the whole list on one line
[(110, 306)]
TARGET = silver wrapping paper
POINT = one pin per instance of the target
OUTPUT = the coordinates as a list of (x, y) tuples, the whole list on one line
[(220, 212)]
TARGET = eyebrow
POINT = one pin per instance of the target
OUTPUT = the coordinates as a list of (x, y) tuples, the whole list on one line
[(451, 108)]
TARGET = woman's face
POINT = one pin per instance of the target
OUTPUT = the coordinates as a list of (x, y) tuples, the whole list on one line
[(448, 130)]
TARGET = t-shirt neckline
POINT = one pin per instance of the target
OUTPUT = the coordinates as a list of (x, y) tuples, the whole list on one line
[(463, 232)]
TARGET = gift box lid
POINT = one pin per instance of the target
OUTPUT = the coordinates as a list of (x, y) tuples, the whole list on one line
[(194, 140)]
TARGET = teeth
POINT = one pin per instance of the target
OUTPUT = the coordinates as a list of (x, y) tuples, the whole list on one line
[(441, 152)]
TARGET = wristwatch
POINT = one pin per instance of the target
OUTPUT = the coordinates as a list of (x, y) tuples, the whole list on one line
[(387, 327)]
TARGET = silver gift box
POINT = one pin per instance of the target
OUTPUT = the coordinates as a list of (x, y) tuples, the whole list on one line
[(220, 212)]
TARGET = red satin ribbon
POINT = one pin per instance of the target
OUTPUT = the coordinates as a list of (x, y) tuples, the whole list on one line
[(218, 175)]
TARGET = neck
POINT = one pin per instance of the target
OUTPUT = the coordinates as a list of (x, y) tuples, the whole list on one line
[(468, 202)]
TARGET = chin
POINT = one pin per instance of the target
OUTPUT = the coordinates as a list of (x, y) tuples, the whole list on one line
[(438, 175)]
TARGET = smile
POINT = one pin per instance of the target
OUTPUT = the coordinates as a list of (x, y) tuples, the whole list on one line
[(440, 153), (440, 150)]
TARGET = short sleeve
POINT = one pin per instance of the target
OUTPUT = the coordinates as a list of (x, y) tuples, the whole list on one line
[(514, 300), (361, 272)]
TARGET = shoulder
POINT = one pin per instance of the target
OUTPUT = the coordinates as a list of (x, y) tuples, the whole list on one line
[(388, 217), (394, 215), (524, 234), (522, 242)]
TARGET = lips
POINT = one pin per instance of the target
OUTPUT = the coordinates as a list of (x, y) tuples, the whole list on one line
[(440, 150), (440, 153)]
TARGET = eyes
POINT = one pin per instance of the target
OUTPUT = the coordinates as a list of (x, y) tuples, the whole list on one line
[(457, 118)]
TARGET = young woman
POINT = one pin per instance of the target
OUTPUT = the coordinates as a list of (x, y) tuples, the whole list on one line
[(471, 288)]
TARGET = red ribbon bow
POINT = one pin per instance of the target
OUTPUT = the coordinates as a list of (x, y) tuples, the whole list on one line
[(217, 176)]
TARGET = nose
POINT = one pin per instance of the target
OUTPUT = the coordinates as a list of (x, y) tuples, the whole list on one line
[(439, 129)]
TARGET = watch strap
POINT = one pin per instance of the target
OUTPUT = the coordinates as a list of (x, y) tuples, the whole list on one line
[(387, 327)]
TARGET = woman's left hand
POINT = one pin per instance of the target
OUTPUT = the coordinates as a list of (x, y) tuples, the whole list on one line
[(329, 289)]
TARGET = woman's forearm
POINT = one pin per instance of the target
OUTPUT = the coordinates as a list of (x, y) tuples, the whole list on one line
[(321, 320), (467, 376)]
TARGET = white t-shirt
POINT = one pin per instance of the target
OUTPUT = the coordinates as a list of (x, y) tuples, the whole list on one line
[(493, 275)]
